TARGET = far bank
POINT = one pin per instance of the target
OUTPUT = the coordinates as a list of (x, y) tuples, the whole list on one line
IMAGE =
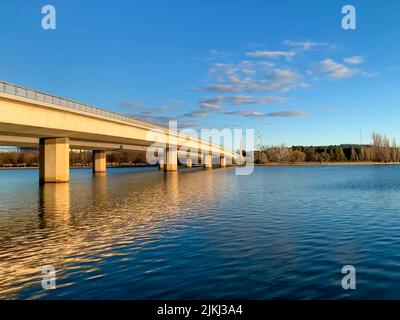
[(359, 163)]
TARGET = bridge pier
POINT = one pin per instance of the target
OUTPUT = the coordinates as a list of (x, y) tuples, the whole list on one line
[(222, 162), (188, 163), (53, 160), (161, 162), (99, 161), (207, 161), (171, 159)]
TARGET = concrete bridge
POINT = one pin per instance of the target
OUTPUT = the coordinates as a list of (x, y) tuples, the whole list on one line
[(54, 124)]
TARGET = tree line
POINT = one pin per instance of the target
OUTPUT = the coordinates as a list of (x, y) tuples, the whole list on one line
[(381, 149), (78, 158)]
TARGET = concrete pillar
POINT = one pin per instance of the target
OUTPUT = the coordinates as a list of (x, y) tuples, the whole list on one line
[(53, 160), (207, 161), (161, 163), (99, 161), (188, 163), (171, 159), (222, 162)]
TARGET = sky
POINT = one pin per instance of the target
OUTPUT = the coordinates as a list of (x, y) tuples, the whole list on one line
[(286, 69)]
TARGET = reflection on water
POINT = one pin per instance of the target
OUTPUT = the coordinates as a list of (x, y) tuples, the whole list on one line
[(283, 232), (54, 204), (75, 230)]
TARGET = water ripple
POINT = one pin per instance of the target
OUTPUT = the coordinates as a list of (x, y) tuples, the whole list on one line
[(283, 232)]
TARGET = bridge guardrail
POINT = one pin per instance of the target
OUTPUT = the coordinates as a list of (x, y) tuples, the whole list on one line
[(44, 97)]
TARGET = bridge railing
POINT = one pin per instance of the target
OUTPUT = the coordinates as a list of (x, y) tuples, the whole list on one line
[(66, 103)]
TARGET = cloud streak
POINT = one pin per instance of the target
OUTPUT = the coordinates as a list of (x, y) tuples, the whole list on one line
[(270, 54), (250, 76), (256, 114), (197, 113), (293, 113), (304, 45), (335, 70), (354, 60), (246, 113), (214, 104)]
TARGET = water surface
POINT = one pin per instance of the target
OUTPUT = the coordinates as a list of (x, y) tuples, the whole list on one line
[(282, 232)]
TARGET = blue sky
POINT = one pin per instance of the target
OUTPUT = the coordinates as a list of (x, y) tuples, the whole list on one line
[(285, 68)]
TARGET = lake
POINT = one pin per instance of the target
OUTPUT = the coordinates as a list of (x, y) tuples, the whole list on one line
[(136, 233)]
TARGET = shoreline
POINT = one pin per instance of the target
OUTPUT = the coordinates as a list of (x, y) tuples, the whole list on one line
[(272, 164), (108, 167), (359, 163)]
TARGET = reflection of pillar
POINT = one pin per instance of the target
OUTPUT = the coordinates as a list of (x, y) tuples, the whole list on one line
[(188, 163), (222, 161), (99, 161), (55, 202), (99, 189), (172, 188), (171, 159), (54, 160), (208, 160)]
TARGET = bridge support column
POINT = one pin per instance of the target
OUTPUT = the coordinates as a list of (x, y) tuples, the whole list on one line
[(99, 161), (161, 162), (171, 159), (188, 163), (207, 161), (222, 162), (53, 160)]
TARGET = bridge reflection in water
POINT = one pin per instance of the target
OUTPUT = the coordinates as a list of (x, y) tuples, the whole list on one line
[(80, 224)]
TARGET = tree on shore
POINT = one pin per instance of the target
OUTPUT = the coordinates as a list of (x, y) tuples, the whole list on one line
[(380, 150), (78, 158)]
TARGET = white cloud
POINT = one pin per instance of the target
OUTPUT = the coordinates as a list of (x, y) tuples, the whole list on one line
[(252, 76), (246, 113), (285, 76), (252, 113), (220, 87), (354, 60), (336, 70), (271, 54), (198, 113), (305, 45), (212, 104), (215, 102), (293, 113)]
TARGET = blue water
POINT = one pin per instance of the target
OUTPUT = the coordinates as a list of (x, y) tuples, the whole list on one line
[(282, 232)]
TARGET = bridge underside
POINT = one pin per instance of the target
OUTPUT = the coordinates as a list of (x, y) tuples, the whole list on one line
[(54, 155)]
